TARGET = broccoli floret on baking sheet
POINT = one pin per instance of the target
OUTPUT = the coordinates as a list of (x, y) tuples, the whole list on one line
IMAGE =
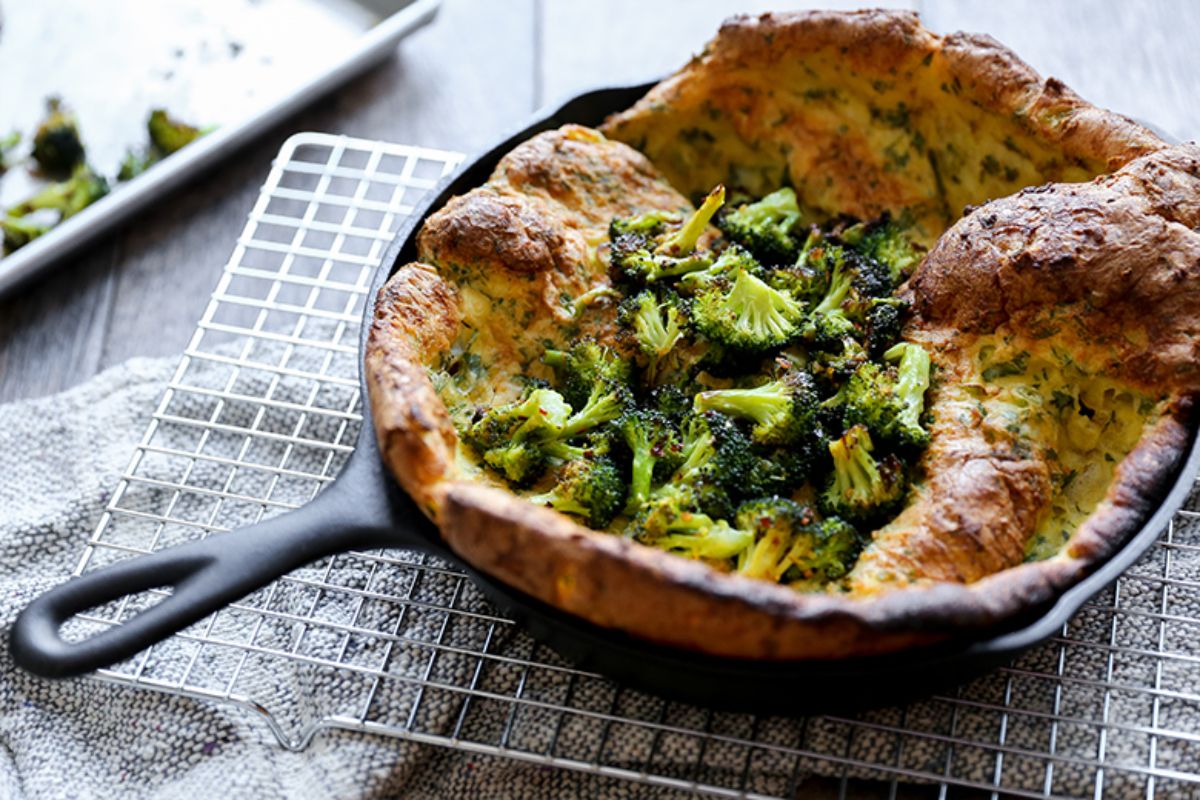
[(67, 197), (57, 146), (169, 134), (8, 147), (19, 232)]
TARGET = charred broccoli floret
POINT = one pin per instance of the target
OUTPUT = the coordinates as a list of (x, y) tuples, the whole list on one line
[(168, 134), (724, 464), (68, 197), (888, 400), (861, 488), (671, 401), (657, 327), (590, 488), (885, 320), (783, 411), (19, 232), (790, 544), (512, 438), (672, 521), (656, 449), (853, 282), (747, 314), (656, 246), (766, 227), (883, 241), (586, 365), (57, 147)]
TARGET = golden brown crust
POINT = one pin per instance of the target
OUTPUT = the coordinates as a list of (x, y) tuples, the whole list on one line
[(536, 218), (869, 112), (1111, 249), (416, 313)]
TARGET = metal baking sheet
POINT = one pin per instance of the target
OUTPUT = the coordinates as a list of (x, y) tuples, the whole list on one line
[(238, 65)]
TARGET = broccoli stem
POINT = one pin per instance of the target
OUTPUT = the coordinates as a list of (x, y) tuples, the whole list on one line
[(764, 405), (684, 240), (599, 409), (839, 287), (912, 380)]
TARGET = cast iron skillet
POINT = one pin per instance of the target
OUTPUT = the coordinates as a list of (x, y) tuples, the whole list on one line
[(365, 508)]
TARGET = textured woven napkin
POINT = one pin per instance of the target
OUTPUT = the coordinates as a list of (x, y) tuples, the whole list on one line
[(60, 456)]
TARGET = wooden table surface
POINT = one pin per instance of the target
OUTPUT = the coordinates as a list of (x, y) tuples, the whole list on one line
[(477, 71)]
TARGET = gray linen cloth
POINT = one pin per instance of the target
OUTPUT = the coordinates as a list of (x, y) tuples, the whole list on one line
[(60, 456)]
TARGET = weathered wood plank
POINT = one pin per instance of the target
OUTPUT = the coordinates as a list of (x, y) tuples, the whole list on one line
[(1139, 59), (620, 42)]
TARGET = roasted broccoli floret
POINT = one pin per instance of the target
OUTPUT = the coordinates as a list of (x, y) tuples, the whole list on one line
[(790, 544), (889, 400), (583, 367), (19, 232), (68, 197), (656, 246), (57, 148), (656, 450), (766, 227), (168, 134), (885, 320), (883, 241), (521, 462), (727, 265), (723, 464), (512, 438), (747, 314), (8, 144), (672, 521), (783, 411), (135, 163), (853, 281), (657, 327), (671, 401), (861, 488), (590, 488)]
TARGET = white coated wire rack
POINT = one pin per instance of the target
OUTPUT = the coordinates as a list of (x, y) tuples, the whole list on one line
[(262, 412)]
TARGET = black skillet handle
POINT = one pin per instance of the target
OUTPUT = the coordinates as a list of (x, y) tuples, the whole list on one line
[(208, 574)]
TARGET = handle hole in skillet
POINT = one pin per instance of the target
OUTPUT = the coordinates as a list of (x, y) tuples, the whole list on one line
[(97, 619)]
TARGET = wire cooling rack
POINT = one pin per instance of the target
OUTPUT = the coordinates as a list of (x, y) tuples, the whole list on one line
[(263, 410)]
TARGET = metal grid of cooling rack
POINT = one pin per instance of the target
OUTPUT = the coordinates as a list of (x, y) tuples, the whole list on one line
[(261, 413)]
